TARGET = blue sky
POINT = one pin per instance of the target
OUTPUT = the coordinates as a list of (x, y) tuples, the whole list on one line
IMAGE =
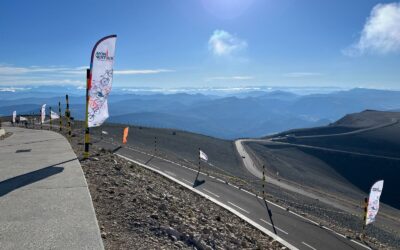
[(205, 43)]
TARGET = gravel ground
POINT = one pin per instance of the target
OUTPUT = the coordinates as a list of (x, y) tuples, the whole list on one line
[(117, 217), (138, 209)]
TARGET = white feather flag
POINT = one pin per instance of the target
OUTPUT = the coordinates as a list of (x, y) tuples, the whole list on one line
[(14, 116), (43, 113), (101, 76), (54, 115), (373, 202), (203, 156)]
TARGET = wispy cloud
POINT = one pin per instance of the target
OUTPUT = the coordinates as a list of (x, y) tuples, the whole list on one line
[(40, 75), (13, 70), (229, 78), (141, 71), (302, 74), (222, 43), (381, 32)]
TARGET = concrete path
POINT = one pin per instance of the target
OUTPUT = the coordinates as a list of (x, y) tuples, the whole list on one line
[(44, 198)]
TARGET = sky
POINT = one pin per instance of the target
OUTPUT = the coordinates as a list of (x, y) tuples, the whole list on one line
[(204, 43)]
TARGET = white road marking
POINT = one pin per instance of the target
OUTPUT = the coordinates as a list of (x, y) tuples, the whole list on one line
[(239, 207), (151, 165), (250, 193), (170, 173), (358, 243), (279, 229), (308, 245), (327, 228), (307, 219), (191, 183), (211, 192), (233, 186), (220, 180)]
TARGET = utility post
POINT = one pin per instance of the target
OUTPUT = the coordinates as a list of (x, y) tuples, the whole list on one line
[(59, 112), (68, 115), (51, 123)]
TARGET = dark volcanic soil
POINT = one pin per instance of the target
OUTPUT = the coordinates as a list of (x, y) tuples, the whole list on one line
[(138, 209)]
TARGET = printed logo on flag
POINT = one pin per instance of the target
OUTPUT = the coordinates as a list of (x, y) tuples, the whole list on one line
[(103, 56)]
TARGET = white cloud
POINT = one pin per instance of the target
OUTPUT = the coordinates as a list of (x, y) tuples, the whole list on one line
[(13, 70), (381, 32), (222, 43), (225, 78), (14, 75), (302, 74), (141, 71)]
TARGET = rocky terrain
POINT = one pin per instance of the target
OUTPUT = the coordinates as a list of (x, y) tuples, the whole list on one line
[(138, 209)]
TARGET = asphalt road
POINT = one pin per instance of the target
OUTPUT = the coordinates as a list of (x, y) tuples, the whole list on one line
[(298, 231)]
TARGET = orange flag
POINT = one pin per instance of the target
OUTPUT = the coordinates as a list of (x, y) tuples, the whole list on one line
[(125, 137)]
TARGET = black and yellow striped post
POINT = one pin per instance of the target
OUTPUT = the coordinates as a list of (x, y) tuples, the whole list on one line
[(365, 216), (87, 135), (199, 160), (59, 112), (263, 182), (68, 116), (51, 123), (155, 145), (40, 119)]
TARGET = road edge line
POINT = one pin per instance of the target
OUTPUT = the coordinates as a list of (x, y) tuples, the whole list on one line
[(243, 217)]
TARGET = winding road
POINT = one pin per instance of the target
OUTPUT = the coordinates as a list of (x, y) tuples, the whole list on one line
[(291, 229)]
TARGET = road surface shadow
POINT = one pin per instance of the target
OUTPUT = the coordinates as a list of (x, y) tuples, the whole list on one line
[(19, 181), (270, 216), (198, 182), (149, 160)]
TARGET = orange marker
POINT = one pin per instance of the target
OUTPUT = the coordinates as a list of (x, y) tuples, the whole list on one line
[(125, 137)]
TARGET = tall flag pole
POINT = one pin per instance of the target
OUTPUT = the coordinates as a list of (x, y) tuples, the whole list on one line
[(87, 134), (68, 115), (59, 112), (51, 123), (98, 87)]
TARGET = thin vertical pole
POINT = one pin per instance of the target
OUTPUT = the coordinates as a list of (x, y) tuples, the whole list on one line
[(155, 145), (263, 182), (40, 119), (87, 135), (365, 216), (199, 160), (51, 123), (68, 115), (59, 112)]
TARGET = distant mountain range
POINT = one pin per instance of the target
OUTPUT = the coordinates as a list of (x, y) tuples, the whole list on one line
[(252, 113)]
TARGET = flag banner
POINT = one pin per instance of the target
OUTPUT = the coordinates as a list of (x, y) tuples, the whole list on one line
[(203, 156), (54, 115), (373, 202), (21, 118), (104, 132), (125, 136), (14, 116), (100, 82), (43, 113)]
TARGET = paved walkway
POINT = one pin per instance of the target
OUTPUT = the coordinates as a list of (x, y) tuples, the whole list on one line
[(44, 199)]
